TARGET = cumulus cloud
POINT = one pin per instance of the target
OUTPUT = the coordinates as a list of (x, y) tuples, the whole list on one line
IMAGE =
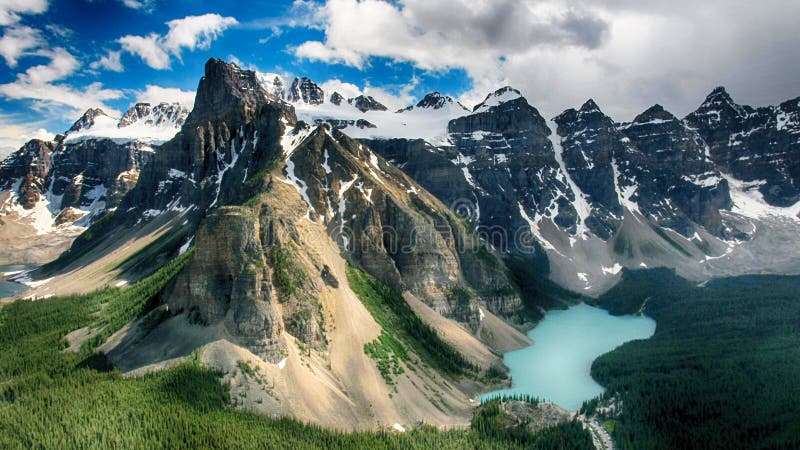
[(156, 94), (18, 40), (111, 61), (627, 54), (191, 32), (149, 48), (38, 83), (447, 33), (11, 10)]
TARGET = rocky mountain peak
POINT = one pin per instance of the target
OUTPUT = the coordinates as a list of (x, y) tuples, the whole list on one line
[(719, 100), (336, 98), (590, 106), (654, 113), (436, 100), (87, 119), (226, 90), (366, 103), (503, 95), (307, 91)]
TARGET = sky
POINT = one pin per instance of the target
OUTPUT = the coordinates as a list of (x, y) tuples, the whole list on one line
[(61, 57)]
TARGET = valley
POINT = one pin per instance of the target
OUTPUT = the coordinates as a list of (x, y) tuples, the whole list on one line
[(280, 262)]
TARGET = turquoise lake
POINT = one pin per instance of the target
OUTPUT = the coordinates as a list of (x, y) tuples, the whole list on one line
[(7, 288), (556, 367)]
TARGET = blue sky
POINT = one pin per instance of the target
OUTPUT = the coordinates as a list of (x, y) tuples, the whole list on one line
[(257, 34), (59, 57)]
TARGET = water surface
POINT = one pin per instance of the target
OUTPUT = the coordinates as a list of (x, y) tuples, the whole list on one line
[(556, 367), (7, 288)]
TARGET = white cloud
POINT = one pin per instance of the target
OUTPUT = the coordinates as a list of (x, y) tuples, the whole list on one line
[(111, 62), (156, 94), (191, 32), (18, 40), (148, 48), (14, 136), (627, 54), (37, 84), (393, 98), (145, 5), (11, 10)]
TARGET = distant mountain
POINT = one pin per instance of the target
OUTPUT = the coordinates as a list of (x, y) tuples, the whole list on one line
[(598, 195), (51, 191)]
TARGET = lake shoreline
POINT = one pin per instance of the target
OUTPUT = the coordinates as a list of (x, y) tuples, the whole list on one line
[(557, 367)]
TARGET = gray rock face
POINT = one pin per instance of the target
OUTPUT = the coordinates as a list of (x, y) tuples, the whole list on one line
[(31, 164), (753, 144), (91, 175), (336, 98), (228, 283), (305, 90), (396, 231), (366, 103), (679, 184)]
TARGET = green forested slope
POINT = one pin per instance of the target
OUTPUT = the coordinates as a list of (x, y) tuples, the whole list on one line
[(52, 399), (721, 371)]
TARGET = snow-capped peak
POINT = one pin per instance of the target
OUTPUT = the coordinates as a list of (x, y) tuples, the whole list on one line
[(142, 122), (162, 115), (366, 103), (88, 120), (435, 100), (272, 83), (336, 98), (307, 91), (497, 98)]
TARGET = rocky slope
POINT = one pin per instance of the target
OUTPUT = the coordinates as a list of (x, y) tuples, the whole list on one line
[(595, 195), (276, 209)]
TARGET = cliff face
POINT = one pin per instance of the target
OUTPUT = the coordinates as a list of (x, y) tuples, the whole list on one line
[(232, 175), (753, 144)]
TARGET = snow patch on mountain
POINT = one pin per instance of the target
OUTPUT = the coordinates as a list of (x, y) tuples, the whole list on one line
[(580, 204), (749, 201), (497, 98), (142, 123)]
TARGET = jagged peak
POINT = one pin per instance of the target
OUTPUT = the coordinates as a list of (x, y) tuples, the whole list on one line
[(87, 120), (162, 114), (436, 100), (336, 98), (366, 103), (590, 106), (305, 90), (719, 95), (655, 112), (503, 95), (225, 88)]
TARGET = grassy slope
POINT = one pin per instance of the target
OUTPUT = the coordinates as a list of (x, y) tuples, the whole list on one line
[(721, 370), (51, 399)]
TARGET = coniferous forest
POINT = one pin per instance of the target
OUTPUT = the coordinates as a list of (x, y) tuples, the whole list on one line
[(50, 398), (721, 372)]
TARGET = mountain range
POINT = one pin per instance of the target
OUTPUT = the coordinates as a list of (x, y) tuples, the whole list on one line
[(296, 202)]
